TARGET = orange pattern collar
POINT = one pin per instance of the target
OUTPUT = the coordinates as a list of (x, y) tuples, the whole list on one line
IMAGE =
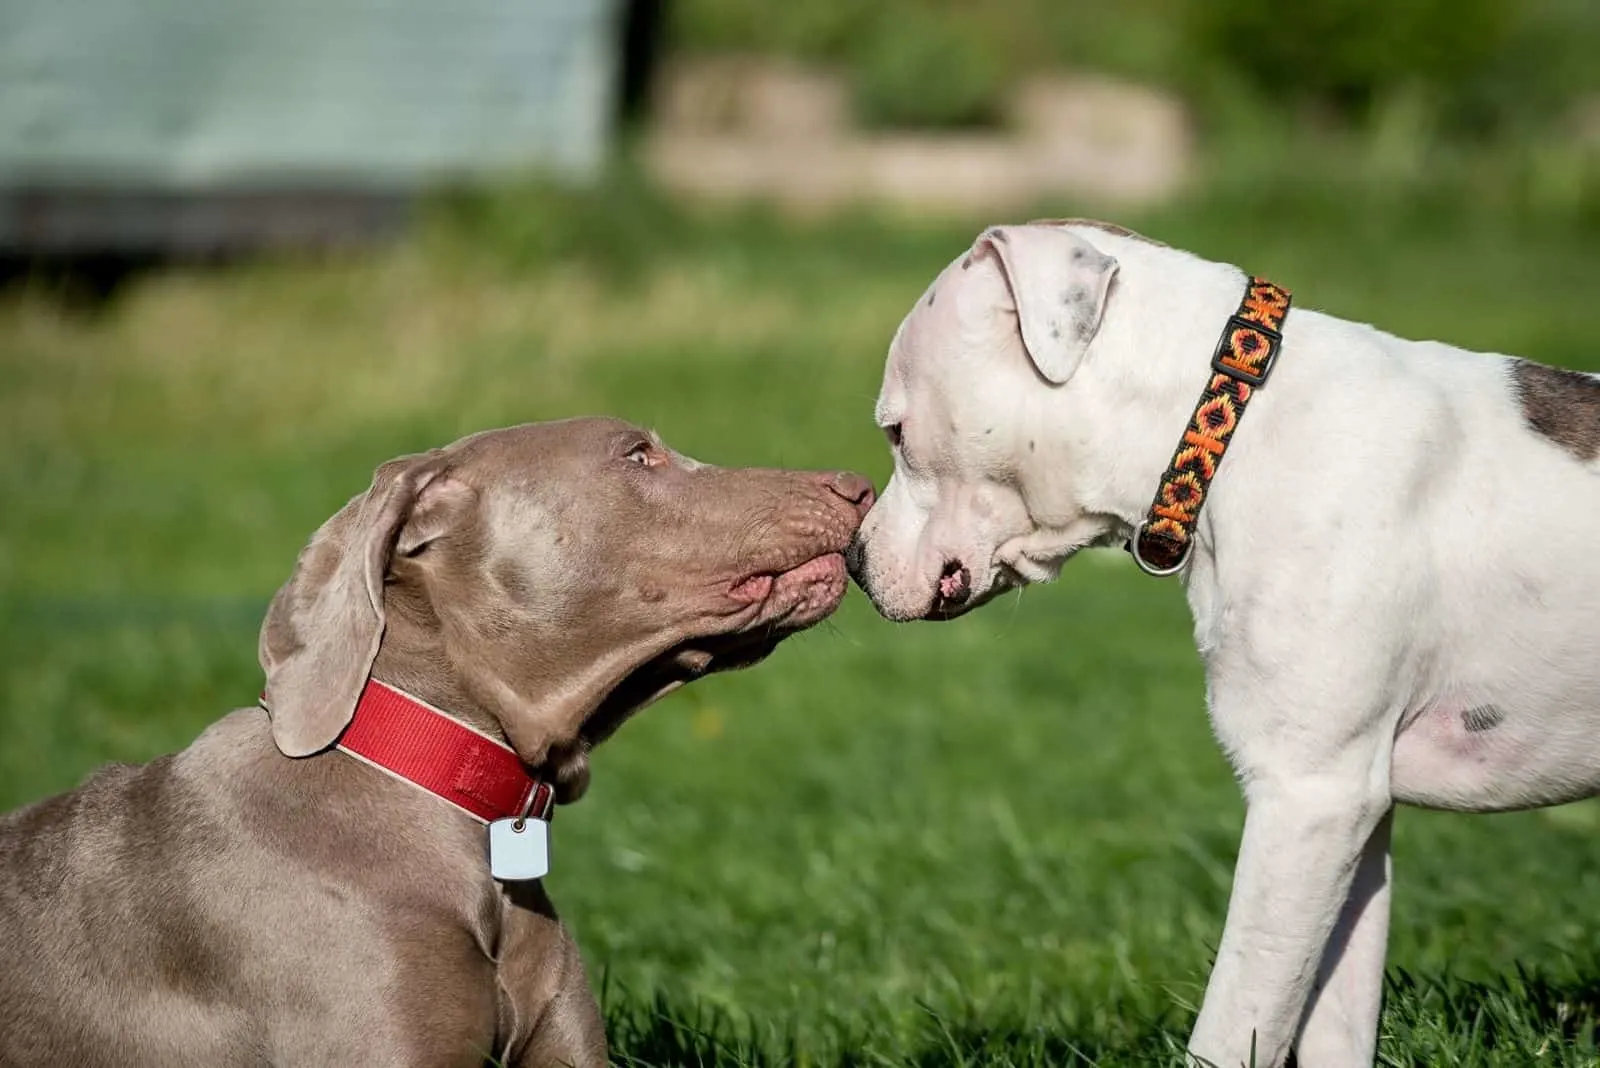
[(1163, 540)]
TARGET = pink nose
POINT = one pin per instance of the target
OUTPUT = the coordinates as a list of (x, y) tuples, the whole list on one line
[(854, 488)]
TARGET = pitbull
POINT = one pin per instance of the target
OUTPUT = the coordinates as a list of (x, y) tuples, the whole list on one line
[(311, 882), (1390, 577)]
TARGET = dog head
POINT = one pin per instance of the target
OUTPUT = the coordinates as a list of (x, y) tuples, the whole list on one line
[(552, 578), (987, 402)]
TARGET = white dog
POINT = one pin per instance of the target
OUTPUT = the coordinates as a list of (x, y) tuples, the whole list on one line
[(1393, 578)]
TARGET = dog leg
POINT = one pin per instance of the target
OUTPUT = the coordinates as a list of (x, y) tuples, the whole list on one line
[(570, 1032), (1341, 1027), (1303, 839)]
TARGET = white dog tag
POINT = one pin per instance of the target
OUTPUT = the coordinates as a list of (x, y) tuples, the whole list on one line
[(519, 852)]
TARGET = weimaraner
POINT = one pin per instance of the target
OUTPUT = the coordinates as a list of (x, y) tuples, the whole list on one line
[(264, 898)]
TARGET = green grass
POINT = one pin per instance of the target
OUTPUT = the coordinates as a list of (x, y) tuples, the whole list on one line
[(1003, 841)]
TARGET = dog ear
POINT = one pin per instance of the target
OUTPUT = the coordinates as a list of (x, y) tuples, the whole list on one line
[(324, 626), (1059, 283)]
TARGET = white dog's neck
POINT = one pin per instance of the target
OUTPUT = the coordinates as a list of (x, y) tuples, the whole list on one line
[(1137, 387)]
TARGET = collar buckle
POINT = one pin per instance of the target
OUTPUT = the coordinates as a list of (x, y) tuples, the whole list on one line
[(1247, 351)]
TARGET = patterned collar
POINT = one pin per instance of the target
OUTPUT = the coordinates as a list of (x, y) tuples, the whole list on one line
[(1163, 540)]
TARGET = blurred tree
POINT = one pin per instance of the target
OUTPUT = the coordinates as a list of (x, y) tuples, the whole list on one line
[(927, 68), (1476, 66), (1351, 56)]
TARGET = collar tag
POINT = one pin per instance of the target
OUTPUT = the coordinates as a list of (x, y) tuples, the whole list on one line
[(519, 849)]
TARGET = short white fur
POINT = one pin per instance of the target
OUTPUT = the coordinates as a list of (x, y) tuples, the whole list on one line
[(1388, 549)]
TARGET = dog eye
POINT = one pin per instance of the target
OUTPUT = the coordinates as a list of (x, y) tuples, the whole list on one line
[(893, 434), (645, 454)]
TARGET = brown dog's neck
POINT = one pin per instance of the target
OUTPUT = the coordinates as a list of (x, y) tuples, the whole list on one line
[(565, 766), (413, 657)]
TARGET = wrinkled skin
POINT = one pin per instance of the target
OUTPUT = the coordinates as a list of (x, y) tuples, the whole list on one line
[(261, 898)]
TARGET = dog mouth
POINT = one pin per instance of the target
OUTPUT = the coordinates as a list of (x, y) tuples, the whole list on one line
[(656, 678), (952, 592), (778, 604), (691, 660), (793, 598), (954, 595)]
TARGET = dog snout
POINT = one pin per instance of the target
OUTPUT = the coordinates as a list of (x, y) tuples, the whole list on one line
[(854, 488)]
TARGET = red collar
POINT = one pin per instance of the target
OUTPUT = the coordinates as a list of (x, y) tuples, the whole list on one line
[(411, 740)]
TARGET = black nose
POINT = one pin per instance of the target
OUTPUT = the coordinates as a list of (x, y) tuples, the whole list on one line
[(855, 559)]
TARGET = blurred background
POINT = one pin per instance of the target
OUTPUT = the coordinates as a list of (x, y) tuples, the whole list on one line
[(250, 251)]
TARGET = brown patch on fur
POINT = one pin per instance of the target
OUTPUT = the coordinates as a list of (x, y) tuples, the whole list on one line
[(1096, 224), (1561, 404)]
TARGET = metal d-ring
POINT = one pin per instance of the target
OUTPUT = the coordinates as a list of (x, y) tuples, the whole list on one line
[(519, 824), (1146, 566), (521, 821)]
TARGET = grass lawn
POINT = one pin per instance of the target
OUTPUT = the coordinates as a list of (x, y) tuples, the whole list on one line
[(1004, 841)]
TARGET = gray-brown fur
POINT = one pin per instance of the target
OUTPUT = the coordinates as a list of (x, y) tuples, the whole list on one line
[(1562, 405), (232, 904)]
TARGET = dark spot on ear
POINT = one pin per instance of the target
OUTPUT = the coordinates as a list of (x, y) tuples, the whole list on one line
[(989, 431), (997, 235), (966, 263), (1055, 331), (1562, 405), (1482, 718), (1079, 253), (1078, 295), (1030, 446), (931, 294)]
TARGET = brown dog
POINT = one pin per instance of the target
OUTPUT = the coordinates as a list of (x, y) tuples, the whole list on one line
[(263, 898)]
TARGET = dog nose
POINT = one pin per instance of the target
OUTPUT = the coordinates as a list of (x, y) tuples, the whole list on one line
[(856, 489), (855, 559)]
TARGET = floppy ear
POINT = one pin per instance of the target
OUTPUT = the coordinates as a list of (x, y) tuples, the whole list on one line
[(324, 626), (1059, 284)]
